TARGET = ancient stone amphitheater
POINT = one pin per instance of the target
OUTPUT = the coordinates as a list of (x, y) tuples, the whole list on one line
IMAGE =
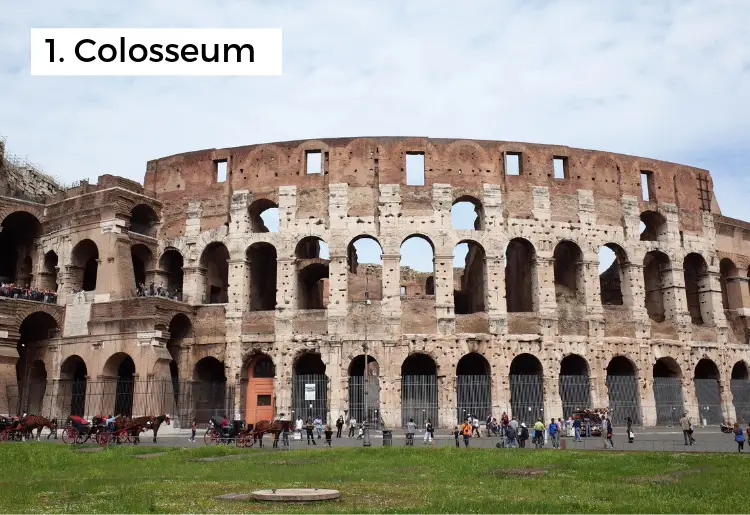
[(253, 280)]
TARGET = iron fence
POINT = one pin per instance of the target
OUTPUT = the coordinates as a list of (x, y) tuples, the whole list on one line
[(357, 404), (669, 402), (708, 394), (310, 397), (474, 396), (419, 400), (575, 393), (741, 394), (527, 397), (623, 397)]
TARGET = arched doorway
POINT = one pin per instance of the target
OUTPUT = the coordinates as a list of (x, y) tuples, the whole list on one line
[(85, 257), (473, 387), (214, 260), (419, 392), (209, 390), (741, 391), (358, 405), (72, 386), (121, 367), (575, 388), (261, 401), (622, 388), (18, 231), (309, 387), (668, 391), (31, 374), (708, 392), (180, 328), (526, 388)]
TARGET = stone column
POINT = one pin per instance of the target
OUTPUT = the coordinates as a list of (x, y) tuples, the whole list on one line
[(70, 279), (337, 294), (286, 298), (336, 372), (239, 301), (588, 277), (390, 386), (8, 358), (675, 303), (552, 400), (545, 293), (497, 308), (444, 306), (634, 295), (648, 401), (194, 284), (391, 304)]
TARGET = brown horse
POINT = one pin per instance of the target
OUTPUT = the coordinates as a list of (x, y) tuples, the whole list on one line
[(274, 428), (156, 422), (31, 422)]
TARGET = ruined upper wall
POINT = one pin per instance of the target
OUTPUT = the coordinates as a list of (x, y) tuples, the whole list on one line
[(365, 163), (21, 179)]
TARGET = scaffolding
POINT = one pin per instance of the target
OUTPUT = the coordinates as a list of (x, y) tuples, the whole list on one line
[(10, 162)]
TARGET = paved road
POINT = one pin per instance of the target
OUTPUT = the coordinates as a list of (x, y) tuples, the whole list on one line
[(708, 439)]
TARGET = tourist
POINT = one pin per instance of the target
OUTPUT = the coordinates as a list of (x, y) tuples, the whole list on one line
[(329, 434), (539, 434), (224, 426), (339, 426), (456, 434), (606, 426), (309, 426), (319, 427), (475, 427), (352, 426), (510, 436), (514, 423), (523, 435), (686, 426), (577, 429), (193, 429), (588, 427), (298, 427), (629, 423), (554, 434), (428, 431), (488, 425), (739, 438), (466, 430), (561, 427), (411, 429)]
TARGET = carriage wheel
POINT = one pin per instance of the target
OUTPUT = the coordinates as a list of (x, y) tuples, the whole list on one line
[(122, 436), (241, 441), (69, 435), (3, 435), (18, 436), (210, 438), (250, 440), (80, 438), (103, 439)]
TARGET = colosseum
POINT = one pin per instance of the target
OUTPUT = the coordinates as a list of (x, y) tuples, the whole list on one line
[(273, 278)]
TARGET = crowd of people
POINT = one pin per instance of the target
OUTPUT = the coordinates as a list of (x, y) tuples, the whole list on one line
[(158, 291), (14, 291)]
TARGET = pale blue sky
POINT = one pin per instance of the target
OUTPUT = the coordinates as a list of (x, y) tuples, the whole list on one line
[(668, 80)]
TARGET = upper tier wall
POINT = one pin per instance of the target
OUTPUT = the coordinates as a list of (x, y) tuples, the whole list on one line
[(464, 164)]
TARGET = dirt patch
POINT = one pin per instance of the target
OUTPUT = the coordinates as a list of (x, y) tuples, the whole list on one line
[(408, 469), (668, 479), (298, 461), (221, 458), (510, 473), (149, 455)]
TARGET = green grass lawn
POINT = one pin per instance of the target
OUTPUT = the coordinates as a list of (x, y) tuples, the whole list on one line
[(52, 478)]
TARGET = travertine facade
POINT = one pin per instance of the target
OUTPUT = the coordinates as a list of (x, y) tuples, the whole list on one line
[(675, 303)]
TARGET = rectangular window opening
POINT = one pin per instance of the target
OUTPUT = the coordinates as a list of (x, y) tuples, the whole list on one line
[(313, 162), (648, 190), (415, 168), (512, 163), (221, 171), (560, 167), (264, 400), (403, 291)]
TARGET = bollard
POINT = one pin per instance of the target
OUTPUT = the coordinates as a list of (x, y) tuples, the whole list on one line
[(387, 438)]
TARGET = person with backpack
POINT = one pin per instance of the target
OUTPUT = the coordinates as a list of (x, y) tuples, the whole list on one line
[(466, 430), (554, 434), (510, 436), (329, 435), (428, 431), (607, 433), (631, 436), (456, 434), (739, 438), (339, 426), (523, 435), (411, 429), (539, 434)]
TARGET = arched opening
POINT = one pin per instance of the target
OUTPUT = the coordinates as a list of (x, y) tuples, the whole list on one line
[(141, 257), (85, 259), (429, 286), (708, 392), (668, 391), (31, 374), (656, 266), (467, 214), (180, 329), (264, 216), (526, 388), (473, 387), (215, 260), (622, 390), (210, 397), (143, 220), (653, 227), (520, 276), (419, 390), (575, 388), (309, 387), (612, 259), (170, 264), (49, 272), (313, 259), (470, 278), (416, 264), (72, 387), (568, 272), (731, 295), (260, 401), (740, 386), (365, 251), (360, 407), (262, 259), (697, 288), (17, 234), (121, 368)]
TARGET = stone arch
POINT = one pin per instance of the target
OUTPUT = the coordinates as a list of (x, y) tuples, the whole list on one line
[(170, 265), (120, 369), (622, 389), (575, 385), (48, 280), (144, 220), (527, 388), (361, 407), (419, 390), (365, 249), (656, 265), (214, 259), (569, 272), (309, 379), (264, 216), (612, 280), (85, 265), (473, 387), (417, 261), (143, 263), (708, 391), (312, 263), (470, 292), (56, 313), (260, 403), (740, 386), (209, 389), (31, 377), (262, 259), (668, 395), (72, 386), (18, 231), (697, 288), (521, 276), (731, 294), (467, 213), (653, 226)]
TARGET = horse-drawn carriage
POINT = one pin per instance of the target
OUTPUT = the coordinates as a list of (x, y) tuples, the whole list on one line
[(10, 429), (244, 436), (20, 428)]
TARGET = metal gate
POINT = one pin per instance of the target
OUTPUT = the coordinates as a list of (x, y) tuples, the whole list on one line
[(624, 400), (741, 399), (527, 397), (474, 397), (575, 394), (310, 397), (419, 400), (210, 400), (124, 397), (669, 403), (709, 400), (357, 400)]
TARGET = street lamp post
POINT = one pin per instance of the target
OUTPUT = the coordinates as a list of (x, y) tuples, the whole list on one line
[(365, 422)]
